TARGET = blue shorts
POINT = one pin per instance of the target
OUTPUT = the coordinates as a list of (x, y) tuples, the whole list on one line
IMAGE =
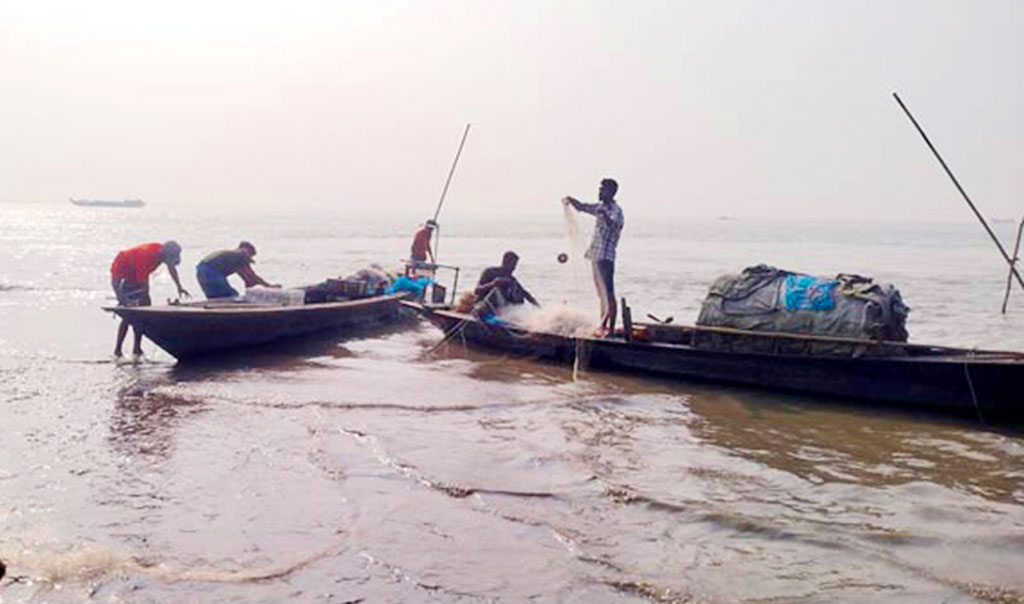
[(214, 283)]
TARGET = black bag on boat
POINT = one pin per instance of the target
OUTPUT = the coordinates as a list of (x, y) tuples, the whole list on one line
[(767, 299)]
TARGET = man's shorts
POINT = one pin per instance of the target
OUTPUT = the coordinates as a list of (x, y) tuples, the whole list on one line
[(214, 283), (134, 293)]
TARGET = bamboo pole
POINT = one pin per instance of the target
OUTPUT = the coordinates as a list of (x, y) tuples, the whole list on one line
[(440, 202), (1009, 277), (1013, 269)]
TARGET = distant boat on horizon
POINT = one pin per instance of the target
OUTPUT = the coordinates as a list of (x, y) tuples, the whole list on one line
[(108, 203)]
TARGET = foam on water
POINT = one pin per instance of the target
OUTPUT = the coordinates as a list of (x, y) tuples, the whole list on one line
[(77, 565), (82, 565)]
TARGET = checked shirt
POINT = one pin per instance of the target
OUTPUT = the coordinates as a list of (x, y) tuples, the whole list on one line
[(610, 220)]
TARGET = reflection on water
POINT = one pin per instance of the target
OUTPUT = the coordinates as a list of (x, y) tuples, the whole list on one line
[(840, 444), (142, 424)]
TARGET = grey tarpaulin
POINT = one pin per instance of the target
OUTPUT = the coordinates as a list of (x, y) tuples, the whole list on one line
[(756, 300)]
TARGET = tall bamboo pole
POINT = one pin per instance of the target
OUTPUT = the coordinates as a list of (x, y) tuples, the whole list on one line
[(1013, 269), (1009, 277), (440, 202)]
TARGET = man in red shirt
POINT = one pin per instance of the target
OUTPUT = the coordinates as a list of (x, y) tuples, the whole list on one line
[(421, 242), (129, 276)]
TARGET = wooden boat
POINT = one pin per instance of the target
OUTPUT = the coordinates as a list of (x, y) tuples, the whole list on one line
[(981, 384), (201, 328), (108, 203)]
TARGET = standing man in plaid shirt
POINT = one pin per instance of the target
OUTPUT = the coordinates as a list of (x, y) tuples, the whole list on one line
[(602, 247)]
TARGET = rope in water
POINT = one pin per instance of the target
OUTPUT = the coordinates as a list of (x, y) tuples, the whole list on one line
[(974, 396), (450, 334)]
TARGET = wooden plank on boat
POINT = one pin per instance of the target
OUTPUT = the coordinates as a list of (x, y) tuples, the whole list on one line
[(656, 327)]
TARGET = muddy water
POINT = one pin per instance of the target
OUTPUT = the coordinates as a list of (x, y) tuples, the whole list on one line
[(379, 469)]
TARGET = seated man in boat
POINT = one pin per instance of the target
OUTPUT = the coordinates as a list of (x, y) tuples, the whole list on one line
[(212, 271), (129, 276), (498, 289)]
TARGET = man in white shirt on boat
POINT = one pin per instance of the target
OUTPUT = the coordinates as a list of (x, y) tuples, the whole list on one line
[(607, 228)]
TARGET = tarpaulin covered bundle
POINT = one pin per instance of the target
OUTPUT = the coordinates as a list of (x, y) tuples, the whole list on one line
[(765, 298), (376, 278), (370, 281)]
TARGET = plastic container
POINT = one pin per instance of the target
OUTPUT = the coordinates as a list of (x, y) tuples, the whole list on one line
[(273, 295)]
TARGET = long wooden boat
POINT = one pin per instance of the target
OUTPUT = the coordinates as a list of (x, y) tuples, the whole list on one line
[(108, 203), (976, 383), (202, 328)]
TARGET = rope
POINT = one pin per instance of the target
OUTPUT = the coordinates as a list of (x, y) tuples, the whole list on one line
[(974, 397), (578, 352), (448, 336)]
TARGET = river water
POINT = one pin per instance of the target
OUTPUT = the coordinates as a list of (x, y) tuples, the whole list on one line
[(378, 469)]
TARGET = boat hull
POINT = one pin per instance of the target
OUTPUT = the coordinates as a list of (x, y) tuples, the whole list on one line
[(969, 384), (191, 331)]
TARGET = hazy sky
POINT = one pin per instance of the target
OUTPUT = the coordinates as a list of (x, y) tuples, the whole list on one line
[(697, 108)]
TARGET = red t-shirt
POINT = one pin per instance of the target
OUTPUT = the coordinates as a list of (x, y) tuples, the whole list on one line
[(136, 264), (421, 244)]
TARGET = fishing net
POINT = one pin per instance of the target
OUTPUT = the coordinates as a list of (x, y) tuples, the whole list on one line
[(576, 264)]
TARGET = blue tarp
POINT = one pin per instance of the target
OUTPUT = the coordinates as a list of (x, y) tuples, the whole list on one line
[(804, 292), (406, 284)]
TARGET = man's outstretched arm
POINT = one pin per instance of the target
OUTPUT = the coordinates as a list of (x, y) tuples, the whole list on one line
[(173, 270), (251, 278), (579, 206)]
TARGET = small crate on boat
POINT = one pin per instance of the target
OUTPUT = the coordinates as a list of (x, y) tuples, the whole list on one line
[(438, 293), (347, 288)]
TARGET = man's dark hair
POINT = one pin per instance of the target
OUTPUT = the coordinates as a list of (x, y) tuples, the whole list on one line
[(509, 257), (611, 184)]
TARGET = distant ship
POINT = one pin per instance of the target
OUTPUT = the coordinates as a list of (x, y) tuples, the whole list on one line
[(109, 203)]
